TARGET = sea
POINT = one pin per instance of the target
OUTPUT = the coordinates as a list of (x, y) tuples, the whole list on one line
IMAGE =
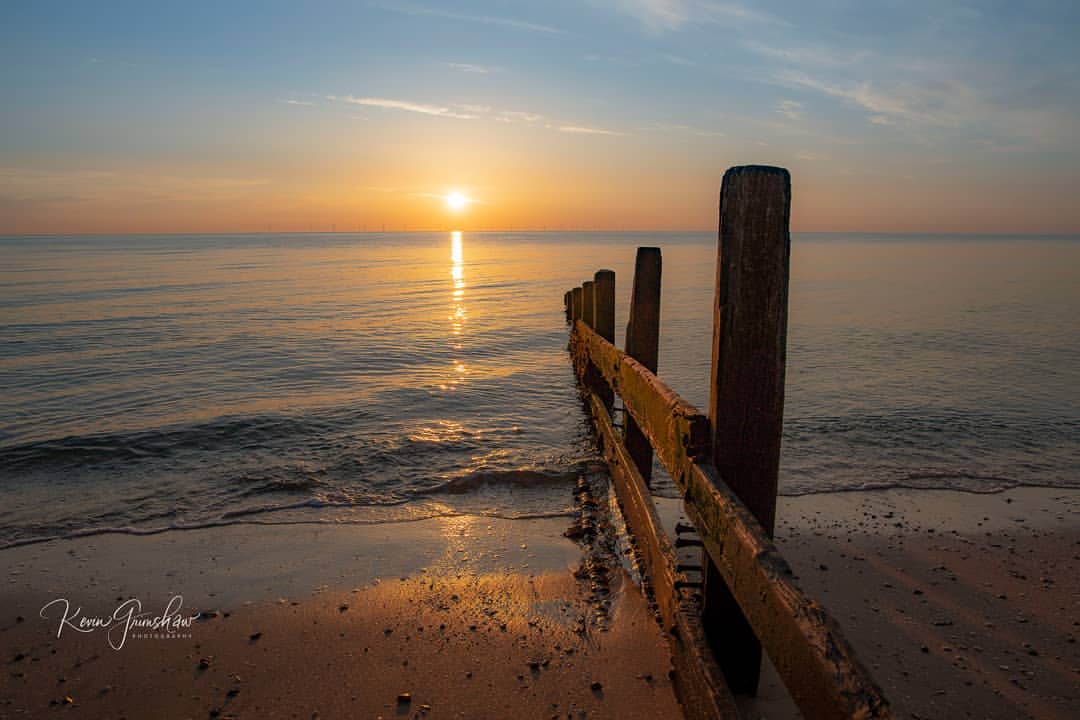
[(156, 383)]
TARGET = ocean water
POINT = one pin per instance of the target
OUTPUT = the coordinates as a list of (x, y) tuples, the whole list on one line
[(150, 383)]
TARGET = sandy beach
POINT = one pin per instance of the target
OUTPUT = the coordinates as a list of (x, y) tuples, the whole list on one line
[(962, 605)]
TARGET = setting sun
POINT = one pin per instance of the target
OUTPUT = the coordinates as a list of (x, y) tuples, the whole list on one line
[(456, 201)]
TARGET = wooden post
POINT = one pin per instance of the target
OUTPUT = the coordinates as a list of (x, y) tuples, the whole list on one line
[(588, 304), (577, 301), (604, 313), (643, 344), (604, 318), (746, 401), (568, 305)]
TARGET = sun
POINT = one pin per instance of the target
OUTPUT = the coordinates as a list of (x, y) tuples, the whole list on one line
[(456, 201)]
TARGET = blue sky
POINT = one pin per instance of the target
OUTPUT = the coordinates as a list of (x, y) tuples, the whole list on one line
[(907, 116)]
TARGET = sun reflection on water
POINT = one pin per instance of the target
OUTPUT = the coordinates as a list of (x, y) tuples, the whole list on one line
[(458, 313)]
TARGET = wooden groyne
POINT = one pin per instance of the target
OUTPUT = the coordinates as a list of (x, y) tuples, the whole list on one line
[(718, 616)]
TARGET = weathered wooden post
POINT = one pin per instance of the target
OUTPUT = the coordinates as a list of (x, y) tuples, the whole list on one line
[(604, 317), (746, 404), (577, 300), (568, 305), (588, 304), (604, 313), (643, 344)]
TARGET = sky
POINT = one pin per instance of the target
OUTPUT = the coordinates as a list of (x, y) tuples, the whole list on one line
[(900, 116)]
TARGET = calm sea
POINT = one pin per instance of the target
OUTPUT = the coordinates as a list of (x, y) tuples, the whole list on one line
[(150, 382)]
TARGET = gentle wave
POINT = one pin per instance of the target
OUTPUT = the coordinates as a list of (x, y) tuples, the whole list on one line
[(228, 522), (954, 482), (526, 478)]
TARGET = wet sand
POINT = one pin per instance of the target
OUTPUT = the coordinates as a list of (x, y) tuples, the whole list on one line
[(961, 605), (956, 616), (495, 623)]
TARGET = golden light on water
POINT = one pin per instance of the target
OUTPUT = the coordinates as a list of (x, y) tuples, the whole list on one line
[(458, 313)]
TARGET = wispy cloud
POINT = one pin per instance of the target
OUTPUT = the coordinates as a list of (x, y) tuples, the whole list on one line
[(466, 111), (518, 116), (806, 55), (406, 105), (585, 130), (677, 60), (918, 104), (420, 10), (686, 129), (298, 102), (476, 69), (665, 15), (790, 109)]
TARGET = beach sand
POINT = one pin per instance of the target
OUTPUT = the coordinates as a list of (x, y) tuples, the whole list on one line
[(961, 605), (956, 615)]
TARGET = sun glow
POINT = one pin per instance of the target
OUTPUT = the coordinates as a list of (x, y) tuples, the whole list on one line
[(456, 201)]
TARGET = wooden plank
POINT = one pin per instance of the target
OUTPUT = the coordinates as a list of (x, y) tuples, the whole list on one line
[(806, 646), (746, 403), (588, 303), (677, 431), (699, 683), (818, 666), (643, 343), (577, 300)]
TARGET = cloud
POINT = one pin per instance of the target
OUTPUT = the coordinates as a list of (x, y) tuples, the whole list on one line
[(418, 10), (790, 109), (667, 15), (471, 112), (406, 105), (518, 116), (677, 60), (298, 102), (799, 56), (584, 130), (471, 68), (914, 103), (688, 130)]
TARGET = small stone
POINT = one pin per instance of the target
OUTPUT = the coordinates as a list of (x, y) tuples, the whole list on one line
[(596, 686), (404, 698), (255, 636)]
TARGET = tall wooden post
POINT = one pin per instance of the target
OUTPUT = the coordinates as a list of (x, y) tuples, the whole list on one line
[(604, 317), (576, 299), (604, 313), (643, 344), (568, 305), (588, 304), (746, 404)]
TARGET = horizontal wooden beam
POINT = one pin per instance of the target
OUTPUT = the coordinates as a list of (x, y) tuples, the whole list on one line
[(699, 683), (807, 647), (809, 651), (677, 431)]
